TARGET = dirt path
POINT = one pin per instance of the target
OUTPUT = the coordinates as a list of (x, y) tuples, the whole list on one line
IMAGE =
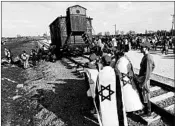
[(63, 95)]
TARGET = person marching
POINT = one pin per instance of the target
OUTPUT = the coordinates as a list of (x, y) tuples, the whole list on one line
[(114, 42), (165, 45), (109, 98), (154, 43), (25, 58), (100, 46), (173, 43), (147, 66), (126, 45)]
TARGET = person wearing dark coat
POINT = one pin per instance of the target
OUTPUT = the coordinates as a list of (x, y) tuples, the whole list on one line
[(33, 57), (147, 66), (165, 45), (173, 42)]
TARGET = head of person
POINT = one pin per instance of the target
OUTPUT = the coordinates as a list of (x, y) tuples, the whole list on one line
[(9, 50), (119, 54), (105, 50), (145, 47), (97, 38), (106, 60), (24, 52), (5, 49), (33, 50), (93, 57)]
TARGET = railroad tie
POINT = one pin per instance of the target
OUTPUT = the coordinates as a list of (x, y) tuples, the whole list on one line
[(162, 97), (155, 88), (170, 108), (80, 69), (72, 65)]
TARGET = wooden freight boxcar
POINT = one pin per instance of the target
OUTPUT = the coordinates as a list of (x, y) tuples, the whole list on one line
[(58, 32), (66, 31)]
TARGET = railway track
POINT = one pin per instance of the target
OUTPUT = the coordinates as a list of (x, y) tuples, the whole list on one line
[(162, 95)]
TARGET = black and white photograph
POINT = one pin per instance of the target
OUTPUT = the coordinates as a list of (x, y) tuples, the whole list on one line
[(87, 63)]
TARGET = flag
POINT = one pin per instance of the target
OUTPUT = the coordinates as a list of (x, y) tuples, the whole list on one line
[(130, 93), (92, 78), (110, 110)]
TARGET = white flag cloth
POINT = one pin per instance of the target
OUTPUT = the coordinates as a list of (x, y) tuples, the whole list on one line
[(131, 97), (111, 106), (92, 78)]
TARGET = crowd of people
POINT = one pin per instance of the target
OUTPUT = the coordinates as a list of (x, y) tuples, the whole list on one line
[(128, 42), (31, 59), (113, 88)]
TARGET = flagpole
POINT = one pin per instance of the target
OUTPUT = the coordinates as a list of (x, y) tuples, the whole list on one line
[(173, 21), (173, 29)]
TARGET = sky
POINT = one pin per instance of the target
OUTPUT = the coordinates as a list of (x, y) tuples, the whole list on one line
[(33, 18)]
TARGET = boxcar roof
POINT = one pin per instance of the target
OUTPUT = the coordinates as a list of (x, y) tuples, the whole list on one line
[(57, 19), (76, 6)]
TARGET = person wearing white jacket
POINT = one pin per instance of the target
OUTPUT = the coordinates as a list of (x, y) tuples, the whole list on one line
[(25, 59)]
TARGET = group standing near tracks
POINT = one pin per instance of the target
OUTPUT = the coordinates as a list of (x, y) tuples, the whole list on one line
[(125, 81)]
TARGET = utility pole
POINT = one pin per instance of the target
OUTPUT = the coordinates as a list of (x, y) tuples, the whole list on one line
[(115, 29), (146, 35), (172, 24), (173, 20), (174, 15)]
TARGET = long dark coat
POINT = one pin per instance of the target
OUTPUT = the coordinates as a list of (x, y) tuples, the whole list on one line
[(146, 67)]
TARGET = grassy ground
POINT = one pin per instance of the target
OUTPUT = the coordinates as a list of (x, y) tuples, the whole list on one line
[(13, 112), (17, 47)]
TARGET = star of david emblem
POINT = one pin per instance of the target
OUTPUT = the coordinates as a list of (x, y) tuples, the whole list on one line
[(124, 81), (110, 92)]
